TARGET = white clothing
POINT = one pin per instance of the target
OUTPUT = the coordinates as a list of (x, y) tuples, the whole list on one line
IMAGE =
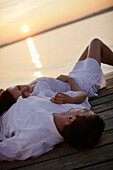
[(47, 87), (87, 74), (28, 128)]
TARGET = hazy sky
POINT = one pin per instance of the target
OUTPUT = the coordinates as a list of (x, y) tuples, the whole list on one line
[(39, 15)]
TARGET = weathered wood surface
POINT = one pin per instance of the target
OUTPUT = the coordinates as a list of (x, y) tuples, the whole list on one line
[(65, 157)]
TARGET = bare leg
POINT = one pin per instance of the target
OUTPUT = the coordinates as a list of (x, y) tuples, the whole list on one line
[(99, 51), (106, 55), (94, 50), (84, 55)]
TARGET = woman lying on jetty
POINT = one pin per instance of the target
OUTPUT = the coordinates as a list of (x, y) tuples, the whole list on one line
[(87, 74), (42, 118)]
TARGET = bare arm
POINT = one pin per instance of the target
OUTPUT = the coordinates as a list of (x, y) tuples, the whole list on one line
[(71, 81), (33, 85), (62, 98)]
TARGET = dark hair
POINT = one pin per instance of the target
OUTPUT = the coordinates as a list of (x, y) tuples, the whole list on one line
[(1, 91), (6, 101), (84, 131)]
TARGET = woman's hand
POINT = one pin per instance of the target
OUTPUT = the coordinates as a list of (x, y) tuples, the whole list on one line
[(70, 80), (62, 98), (64, 78)]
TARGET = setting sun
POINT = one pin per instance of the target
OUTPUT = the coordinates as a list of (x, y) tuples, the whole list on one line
[(25, 28)]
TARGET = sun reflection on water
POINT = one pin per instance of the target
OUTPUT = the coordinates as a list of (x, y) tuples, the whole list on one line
[(35, 56), (38, 74)]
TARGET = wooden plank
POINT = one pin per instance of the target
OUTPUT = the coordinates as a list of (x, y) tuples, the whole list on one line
[(102, 166), (109, 82), (101, 100), (78, 160), (107, 114), (102, 93), (106, 92), (108, 124), (106, 138), (60, 151), (103, 107), (109, 75)]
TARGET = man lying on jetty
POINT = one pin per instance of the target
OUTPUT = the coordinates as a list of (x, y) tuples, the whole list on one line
[(38, 121)]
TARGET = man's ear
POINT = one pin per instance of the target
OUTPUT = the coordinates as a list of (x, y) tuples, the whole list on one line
[(71, 118)]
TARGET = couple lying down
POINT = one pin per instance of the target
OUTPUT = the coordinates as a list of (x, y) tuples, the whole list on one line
[(36, 117)]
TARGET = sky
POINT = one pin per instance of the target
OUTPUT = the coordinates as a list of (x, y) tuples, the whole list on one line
[(39, 15)]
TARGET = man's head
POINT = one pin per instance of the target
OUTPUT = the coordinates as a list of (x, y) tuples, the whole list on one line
[(80, 128), (9, 96)]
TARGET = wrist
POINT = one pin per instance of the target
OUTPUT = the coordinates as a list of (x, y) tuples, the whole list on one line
[(70, 79), (72, 100)]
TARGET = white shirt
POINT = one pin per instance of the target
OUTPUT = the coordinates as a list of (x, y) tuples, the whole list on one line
[(28, 129)]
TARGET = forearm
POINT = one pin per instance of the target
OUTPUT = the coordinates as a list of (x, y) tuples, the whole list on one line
[(73, 84), (79, 97), (62, 98)]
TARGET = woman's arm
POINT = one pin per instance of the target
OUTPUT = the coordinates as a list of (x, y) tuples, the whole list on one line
[(71, 81), (32, 86), (62, 98)]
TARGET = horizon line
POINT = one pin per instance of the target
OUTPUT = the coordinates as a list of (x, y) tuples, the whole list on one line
[(61, 25)]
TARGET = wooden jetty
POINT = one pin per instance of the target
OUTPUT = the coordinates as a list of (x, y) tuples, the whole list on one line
[(64, 157)]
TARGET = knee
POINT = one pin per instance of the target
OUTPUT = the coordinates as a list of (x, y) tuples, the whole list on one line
[(95, 41)]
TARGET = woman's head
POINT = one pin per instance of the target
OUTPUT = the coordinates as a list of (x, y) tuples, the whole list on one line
[(6, 101), (9, 96), (20, 90)]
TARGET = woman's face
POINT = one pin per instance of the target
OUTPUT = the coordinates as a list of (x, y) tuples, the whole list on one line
[(20, 90)]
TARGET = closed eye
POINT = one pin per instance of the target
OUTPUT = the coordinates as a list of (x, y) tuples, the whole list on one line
[(18, 87), (23, 95)]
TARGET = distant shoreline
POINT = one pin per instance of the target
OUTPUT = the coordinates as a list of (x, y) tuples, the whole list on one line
[(61, 25)]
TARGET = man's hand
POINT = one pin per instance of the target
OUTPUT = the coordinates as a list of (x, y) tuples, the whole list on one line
[(62, 98)]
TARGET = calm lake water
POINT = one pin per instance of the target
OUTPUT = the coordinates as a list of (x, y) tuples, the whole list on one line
[(53, 53)]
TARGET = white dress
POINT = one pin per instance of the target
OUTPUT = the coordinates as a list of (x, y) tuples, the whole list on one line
[(87, 74)]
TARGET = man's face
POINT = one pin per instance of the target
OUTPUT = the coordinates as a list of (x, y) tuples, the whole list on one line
[(20, 90), (81, 112), (68, 117)]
